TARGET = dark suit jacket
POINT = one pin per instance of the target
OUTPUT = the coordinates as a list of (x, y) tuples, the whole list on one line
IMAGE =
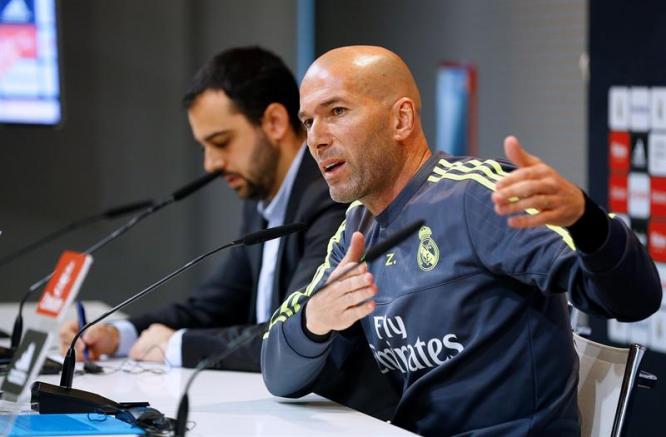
[(223, 308)]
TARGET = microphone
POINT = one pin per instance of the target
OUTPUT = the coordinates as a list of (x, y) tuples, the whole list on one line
[(184, 404), (63, 399), (110, 213), (177, 195), (371, 254), (271, 233)]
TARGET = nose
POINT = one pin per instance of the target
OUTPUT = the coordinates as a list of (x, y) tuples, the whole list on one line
[(213, 160), (318, 135)]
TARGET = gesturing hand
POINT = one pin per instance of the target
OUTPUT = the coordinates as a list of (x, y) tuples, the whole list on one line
[(346, 300), (535, 184)]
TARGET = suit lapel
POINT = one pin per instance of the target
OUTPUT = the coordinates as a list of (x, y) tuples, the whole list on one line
[(307, 173), (255, 253)]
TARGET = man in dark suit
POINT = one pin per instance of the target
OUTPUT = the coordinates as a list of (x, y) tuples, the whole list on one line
[(242, 107)]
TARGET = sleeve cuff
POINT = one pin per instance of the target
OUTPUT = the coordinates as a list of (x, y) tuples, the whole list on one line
[(611, 252), (127, 336), (299, 341), (311, 335), (174, 350), (591, 231)]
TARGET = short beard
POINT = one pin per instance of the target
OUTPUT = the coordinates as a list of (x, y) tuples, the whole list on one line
[(261, 175), (378, 166)]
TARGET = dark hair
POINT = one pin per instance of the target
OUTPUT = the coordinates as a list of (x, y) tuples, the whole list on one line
[(252, 78)]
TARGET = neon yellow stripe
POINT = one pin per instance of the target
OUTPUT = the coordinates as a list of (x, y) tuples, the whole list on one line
[(291, 304), (475, 177), (564, 234), (327, 261), (476, 166), (491, 186)]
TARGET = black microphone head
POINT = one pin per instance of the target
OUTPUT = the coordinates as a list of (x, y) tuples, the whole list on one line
[(194, 186), (270, 233), (375, 251), (128, 208)]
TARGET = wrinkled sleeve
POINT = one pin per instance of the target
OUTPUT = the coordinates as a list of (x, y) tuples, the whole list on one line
[(618, 280), (290, 361)]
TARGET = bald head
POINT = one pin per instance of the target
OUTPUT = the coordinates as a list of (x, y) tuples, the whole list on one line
[(360, 107), (371, 70)]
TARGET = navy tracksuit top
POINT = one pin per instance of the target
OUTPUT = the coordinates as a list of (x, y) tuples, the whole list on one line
[(471, 324)]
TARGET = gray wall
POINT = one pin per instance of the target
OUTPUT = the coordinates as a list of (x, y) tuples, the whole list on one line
[(126, 137), (526, 52)]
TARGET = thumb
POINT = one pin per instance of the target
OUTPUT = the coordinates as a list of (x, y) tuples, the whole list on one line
[(517, 154), (356, 249), (91, 336)]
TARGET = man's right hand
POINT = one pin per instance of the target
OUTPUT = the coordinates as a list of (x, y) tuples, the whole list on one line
[(101, 340), (348, 299)]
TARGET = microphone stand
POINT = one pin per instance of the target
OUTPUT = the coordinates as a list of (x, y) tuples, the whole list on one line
[(179, 194), (108, 214), (17, 331), (49, 398)]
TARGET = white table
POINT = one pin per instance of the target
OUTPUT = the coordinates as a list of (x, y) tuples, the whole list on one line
[(221, 403), (233, 404)]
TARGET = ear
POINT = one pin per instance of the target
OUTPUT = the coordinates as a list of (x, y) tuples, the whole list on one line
[(404, 117), (275, 122)]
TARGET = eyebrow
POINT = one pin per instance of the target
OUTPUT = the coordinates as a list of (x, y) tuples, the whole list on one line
[(212, 135), (328, 102)]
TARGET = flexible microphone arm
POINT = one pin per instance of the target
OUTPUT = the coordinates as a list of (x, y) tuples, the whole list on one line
[(176, 196), (371, 254), (110, 213), (184, 404), (248, 240), (52, 399)]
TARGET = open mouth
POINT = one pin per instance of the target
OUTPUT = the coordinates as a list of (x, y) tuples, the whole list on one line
[(331, 166)]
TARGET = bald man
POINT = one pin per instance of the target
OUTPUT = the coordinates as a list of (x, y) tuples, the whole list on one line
[(468, 319)]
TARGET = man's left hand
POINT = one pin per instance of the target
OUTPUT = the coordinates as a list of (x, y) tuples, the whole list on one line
[(152, 343), (537, 185)]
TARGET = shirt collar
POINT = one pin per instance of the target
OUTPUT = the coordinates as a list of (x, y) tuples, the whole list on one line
[(274, 212)]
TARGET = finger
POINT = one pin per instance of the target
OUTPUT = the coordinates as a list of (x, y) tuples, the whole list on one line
[(358, 312), (517, 154), (359, 296), (348, 269), (524, 190), (97, 341), (92, 336), (356, 248), (535, 172), (78, 348), (539, 202), (135, 351), (352, 283)]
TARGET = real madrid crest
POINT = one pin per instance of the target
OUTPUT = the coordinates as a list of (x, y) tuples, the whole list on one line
[(427, 255)]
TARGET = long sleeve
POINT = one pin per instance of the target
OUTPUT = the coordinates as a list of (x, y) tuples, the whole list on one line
[(290, 361), (618, 280)]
